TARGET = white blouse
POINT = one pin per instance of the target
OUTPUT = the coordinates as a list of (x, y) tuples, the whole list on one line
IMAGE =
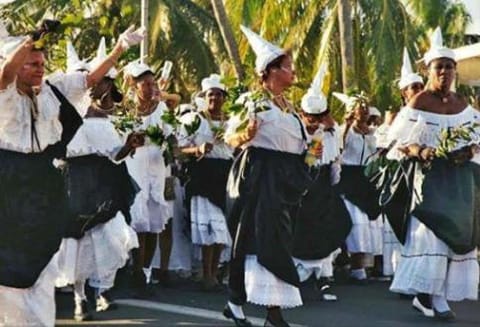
[(204, 134), (277, 130), (357, 148), (423, 128), (96, 136), (147, 166), (15, 113)]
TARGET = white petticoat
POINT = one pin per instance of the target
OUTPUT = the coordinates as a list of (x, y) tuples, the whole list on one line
[(366, 235), (150, 216), (264, 288), (392, 250), (429, 266), (34, 306), (97, 255), (321, 268), (181, 255), (209, 225)]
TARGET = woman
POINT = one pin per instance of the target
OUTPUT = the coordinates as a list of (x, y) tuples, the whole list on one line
[(439, 256), (358, 193), (37, 122), (410, 84), (208, 172), (266, 181), (100, 194), (322, 221), (151, 213)]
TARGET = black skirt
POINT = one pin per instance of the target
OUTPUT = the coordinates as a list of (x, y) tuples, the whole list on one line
[(322, 221), (97, 190), (357, 188), (448, 204), (208, 178), (33, 216), (263, 187)]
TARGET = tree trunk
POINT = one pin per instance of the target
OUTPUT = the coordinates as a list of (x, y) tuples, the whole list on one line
[(346, 43), (144, 44), (227, 35)]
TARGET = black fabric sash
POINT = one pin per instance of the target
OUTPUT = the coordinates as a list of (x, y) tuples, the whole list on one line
[(33, 206), (448, 204), (356, 188), (97, 190), (208, 178), (262, 188), (322, 222)]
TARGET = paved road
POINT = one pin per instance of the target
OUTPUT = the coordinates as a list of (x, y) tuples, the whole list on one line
[(185, 305)]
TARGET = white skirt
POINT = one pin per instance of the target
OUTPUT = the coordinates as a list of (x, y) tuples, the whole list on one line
[(97, 255), (150, 216), (392, 250), (366, 235), (181, 255), (208, 223), (264, 288), (321, 268), (34, 306), (429, 266)]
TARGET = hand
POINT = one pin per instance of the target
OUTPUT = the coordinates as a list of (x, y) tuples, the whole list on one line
[(135, 140), (462, 155), (251, 129), (131, 37), (426, 154), (317, 150), (205, 148)]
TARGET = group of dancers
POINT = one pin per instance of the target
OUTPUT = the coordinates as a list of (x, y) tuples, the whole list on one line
[(271, 192)]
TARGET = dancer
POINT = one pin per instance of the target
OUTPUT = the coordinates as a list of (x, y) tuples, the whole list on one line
[(208, 172), (439, 256), (36, 124), (322, 222), (266, 181)]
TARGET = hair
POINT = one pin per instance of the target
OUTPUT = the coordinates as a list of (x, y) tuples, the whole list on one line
[(275, 63)]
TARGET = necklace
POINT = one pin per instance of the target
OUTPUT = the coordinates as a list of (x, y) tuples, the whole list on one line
[(283, 103), (443, 97)]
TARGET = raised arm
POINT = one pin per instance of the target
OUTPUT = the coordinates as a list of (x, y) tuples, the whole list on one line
[(127, 39), (14, 62)]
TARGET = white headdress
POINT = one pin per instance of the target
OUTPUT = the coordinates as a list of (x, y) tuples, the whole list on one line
[(213, 81), (314, 101), (407, 76), (137, 68), (101, 56), (73, 61), (265, 51), (437, 50)]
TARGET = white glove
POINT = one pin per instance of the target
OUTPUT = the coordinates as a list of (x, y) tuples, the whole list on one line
[(131, 37)]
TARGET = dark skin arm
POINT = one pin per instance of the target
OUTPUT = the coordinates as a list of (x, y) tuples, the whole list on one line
[(134, 141)]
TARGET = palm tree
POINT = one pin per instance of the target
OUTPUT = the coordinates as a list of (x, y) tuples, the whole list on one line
[(346, 43)]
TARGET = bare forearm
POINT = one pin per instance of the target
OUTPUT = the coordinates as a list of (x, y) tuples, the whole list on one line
[(14, 63), (94, 76)]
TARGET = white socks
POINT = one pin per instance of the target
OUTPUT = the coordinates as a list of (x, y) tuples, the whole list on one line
[(236, 310), (79, 291), (359, 274), (440, 303)]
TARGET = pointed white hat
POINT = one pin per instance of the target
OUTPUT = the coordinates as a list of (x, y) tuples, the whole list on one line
[(314, 101), (211, 82), (437, 50), (136, 68), (347, 100), (407, 76), (100, 57), (73, 61), (265, 51)]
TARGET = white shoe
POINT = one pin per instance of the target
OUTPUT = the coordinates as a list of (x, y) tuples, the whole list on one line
[(417, 305)]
